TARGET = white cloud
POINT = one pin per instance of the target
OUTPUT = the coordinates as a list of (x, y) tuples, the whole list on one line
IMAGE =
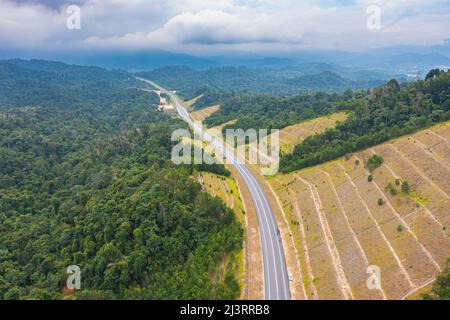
[(26, 26), (215, 25)]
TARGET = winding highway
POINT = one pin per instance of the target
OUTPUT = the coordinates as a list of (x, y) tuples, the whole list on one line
[(276, 280)]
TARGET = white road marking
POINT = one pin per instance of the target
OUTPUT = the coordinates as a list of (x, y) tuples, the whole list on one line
[(262, 207)]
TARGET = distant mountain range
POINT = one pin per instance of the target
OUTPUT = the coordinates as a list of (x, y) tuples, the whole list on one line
[(405, 62), (396, 60), (329, 81), (277, 81), (307, 71)]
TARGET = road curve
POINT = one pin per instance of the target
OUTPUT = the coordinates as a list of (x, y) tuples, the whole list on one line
[(276, 280)]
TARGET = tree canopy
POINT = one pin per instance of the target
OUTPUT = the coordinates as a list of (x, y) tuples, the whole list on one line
[(388, 112), (86, 179)]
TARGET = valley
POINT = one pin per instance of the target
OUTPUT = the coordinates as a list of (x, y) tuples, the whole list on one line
[(364, 185), (225, 158)]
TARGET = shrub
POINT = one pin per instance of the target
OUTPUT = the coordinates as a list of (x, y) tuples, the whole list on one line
[(392, 189), (380, 202), (370, 178), (405, 187), (399, 228), (441, 287)]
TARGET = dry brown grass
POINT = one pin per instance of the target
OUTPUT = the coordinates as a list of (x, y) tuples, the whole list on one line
[(202, 114), (361, 232), (293, 135), (189, 104)]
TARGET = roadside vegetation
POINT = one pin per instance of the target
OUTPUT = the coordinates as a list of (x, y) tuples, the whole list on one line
[(259, 111), (86, 179)]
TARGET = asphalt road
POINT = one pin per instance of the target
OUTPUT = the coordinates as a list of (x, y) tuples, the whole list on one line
[(276, 280)]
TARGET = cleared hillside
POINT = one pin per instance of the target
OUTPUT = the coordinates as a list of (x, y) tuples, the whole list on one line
[(202, 114), (388, 112), (279, 81), (251, 280), (293, 135), (342, 222), (290, 136)]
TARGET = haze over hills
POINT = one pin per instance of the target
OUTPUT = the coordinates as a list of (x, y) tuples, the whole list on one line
[(394, 60), (277, 81), (87, 178), (191, 82), (103, 179), (288, 74)]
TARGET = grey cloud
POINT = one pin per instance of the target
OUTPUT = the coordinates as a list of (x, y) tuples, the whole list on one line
[(51, 4), (186, 25)]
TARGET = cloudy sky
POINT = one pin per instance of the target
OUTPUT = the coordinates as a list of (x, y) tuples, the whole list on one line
[(214, 26)]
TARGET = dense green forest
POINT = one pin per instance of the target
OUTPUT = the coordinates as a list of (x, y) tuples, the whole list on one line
[(36, 82), (388, 112), (376, 115), (268, 111), (275, 81), (86, 179)]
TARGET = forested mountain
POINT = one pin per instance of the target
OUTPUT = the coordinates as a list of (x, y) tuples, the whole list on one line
[(375, 115), (260, 111), (329, 81), (37, 82), (388, 112), (280, 81), (86, 179)]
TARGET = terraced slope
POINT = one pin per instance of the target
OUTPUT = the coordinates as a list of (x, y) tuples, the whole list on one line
[(340, 226), (293, 135), (290, 136), (202, 114)]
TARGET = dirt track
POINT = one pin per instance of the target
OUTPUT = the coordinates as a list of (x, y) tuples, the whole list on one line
[(340, 228)]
